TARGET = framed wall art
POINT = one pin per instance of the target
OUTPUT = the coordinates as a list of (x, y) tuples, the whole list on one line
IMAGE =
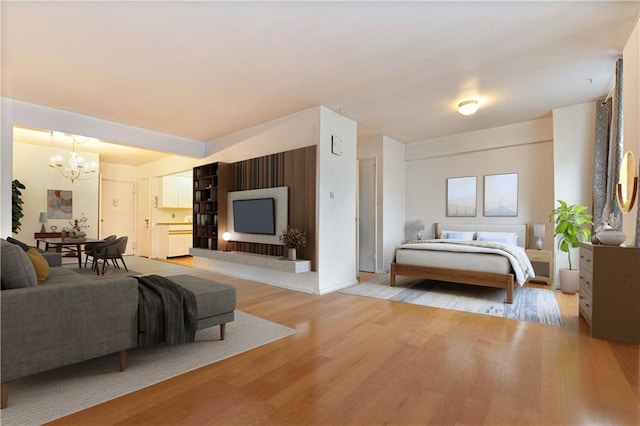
[(501, 195), (461, 196), (59, 204)]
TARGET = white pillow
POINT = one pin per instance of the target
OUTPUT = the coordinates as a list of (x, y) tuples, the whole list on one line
[(455, 235), (510, 238)]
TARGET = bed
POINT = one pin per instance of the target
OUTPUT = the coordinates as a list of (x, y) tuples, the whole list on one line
[(451, 257)]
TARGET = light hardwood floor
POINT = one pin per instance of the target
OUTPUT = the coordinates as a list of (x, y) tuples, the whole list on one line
[(362, 361)]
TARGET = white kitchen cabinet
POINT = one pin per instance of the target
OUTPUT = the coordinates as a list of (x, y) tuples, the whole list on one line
[(179, 244), (173, 240), (176, 192)]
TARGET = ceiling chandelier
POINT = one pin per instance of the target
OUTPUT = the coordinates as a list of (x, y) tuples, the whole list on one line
[(76, 168)]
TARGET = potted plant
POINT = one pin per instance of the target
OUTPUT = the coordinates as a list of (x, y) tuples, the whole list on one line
[(572, 225), (16, 205), (293, 238)]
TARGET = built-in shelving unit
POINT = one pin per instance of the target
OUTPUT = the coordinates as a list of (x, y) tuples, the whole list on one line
[(209, 204)]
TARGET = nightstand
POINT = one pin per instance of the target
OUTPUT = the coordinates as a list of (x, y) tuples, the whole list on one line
[(541, 256)]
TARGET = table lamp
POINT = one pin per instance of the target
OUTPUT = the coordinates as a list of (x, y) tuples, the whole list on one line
[(43, 220), (538, 232), (226, 237)]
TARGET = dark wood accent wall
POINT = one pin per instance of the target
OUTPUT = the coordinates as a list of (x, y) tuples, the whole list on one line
[(294, 169)]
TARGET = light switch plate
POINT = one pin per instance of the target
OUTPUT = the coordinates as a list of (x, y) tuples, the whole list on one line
[(336, 145)]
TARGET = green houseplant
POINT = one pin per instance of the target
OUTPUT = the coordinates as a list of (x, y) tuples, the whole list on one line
[(572, 224), (16, 205)]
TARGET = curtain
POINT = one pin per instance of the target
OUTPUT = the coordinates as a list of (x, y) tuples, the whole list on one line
[(608, 152)]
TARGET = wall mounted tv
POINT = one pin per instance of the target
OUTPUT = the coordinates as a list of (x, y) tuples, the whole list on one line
[(254, 216)]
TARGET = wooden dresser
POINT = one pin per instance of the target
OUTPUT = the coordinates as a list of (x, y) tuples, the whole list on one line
[(610, 291)]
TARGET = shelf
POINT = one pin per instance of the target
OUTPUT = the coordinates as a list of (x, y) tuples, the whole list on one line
[(255, 260)]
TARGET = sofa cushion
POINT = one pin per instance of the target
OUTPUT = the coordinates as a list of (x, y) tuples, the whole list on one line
[(40, 264), (17, 270), (61, 274)]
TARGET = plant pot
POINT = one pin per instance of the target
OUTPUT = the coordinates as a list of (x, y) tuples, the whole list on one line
[(291, 254), (569, 280)]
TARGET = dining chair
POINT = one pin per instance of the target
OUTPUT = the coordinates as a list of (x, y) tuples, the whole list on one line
[(112, 251), (90, 248)]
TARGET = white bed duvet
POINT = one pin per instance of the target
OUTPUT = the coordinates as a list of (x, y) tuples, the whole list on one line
[(516, 256)]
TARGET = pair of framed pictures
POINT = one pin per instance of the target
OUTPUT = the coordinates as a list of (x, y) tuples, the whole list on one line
[(500, 195)]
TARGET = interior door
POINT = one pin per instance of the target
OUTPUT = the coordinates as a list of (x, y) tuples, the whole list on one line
[(117, 215), (367, 214), (143, 220)]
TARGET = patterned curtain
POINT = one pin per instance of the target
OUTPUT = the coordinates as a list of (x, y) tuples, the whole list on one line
[(608, 152)]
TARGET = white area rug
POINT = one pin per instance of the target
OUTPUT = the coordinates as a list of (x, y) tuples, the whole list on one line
[(529, 304), (47, 396)]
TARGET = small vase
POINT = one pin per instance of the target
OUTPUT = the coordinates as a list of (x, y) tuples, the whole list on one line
[(76, 233), (291, 254), (420, 234), (611, 237)]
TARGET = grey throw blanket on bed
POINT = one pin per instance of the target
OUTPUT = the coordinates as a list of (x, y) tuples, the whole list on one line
[(167, 312)]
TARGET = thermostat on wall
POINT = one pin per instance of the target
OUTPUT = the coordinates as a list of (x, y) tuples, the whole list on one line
[(336, 145)]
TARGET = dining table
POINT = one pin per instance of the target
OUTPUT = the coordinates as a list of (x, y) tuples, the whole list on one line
[(68, 244)]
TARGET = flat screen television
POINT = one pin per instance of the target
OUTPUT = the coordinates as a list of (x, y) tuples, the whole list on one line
[(254, 216)]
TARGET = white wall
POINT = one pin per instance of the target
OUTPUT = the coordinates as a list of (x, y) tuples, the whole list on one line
[(631, 108), (30, 168), (6, 168), (573, 146), (336, 203), (118, 172), (524, 148), (394, 189), (284, 134)]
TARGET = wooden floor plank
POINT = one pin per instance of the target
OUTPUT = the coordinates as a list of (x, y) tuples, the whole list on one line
[(357, 360)]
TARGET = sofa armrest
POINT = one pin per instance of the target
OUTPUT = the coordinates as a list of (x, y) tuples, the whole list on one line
[(53, 259), (53, 325)]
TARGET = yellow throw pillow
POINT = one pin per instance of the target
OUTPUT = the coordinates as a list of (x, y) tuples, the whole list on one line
[(40, 264)]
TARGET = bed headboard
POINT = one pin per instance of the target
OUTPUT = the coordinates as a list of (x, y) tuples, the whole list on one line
[(521, 230)]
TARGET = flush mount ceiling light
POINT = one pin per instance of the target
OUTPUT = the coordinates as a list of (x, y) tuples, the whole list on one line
[(468, 107)]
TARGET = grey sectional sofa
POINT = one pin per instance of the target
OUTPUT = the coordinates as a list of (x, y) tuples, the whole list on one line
[(64, 320)]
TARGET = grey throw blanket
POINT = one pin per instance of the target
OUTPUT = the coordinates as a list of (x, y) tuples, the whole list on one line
[(167, 312)]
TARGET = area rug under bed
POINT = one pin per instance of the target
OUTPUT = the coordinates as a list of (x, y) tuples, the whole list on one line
[(529, 304)]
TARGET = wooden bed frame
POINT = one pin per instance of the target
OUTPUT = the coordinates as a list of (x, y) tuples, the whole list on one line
[(485, 279)]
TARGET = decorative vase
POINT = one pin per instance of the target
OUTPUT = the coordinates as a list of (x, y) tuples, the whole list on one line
[(420, 235), (291, 254), (611, 237), (569, 280), (76, 233)]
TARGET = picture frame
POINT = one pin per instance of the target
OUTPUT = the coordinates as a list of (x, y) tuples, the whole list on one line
[(501, 195), (59, 204), (461, 196)]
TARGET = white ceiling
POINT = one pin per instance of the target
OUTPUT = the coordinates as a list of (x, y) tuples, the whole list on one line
[(202, 70)]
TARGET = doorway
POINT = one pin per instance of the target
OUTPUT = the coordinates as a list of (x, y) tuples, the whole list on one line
[(143, 219), (117, 211), (367, 208)]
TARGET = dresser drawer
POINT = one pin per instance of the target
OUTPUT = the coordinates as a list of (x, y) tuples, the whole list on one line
[(585, 309), (586, 282), (586, 259)]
